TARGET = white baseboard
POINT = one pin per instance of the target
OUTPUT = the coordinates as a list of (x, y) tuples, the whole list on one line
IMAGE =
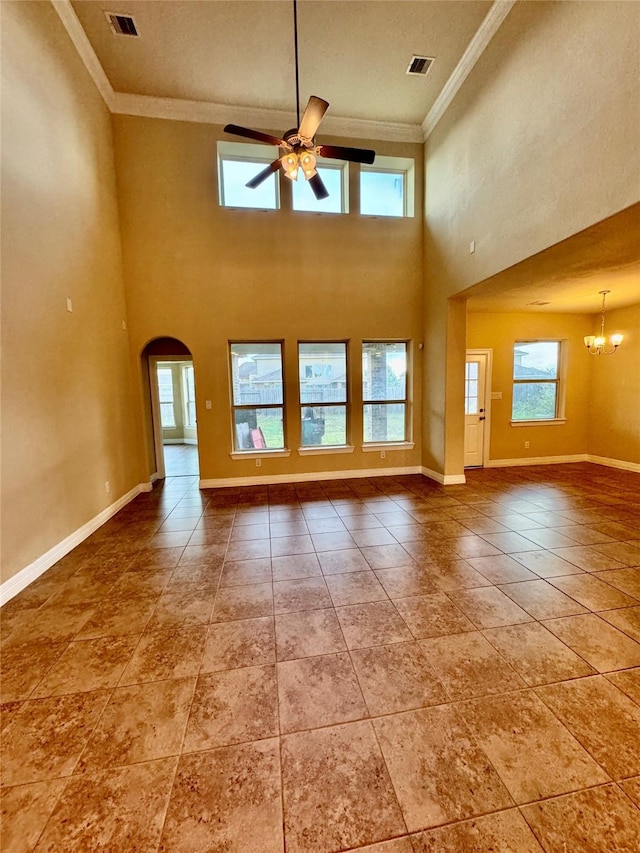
[(180, 441), (536, 460), (15, 584), (444, 479), (307, 477), (615, 463)]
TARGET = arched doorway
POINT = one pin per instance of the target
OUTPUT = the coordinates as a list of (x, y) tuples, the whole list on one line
[(170, 410)]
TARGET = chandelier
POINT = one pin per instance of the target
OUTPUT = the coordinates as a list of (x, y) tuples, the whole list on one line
[(597, 344)]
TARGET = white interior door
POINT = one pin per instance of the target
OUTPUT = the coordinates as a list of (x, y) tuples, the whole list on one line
[(475, 408)]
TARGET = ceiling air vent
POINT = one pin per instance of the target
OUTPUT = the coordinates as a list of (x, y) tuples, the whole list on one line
[(420, 65), (121, 25)]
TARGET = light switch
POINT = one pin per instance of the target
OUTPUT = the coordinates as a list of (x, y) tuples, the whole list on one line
[(69, 304), (496, 395), (207, 404)]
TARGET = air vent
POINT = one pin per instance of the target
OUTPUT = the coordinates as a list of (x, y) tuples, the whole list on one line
[(538, 302), (420, 65), (121, 25)]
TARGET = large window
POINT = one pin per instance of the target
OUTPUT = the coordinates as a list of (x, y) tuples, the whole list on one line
[(257, 396), (334, 179), (238, 163), (165, 391), (322, 371), (536, 380), (387, 188), (384, 391)]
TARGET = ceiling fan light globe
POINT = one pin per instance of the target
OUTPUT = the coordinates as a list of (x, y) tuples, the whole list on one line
[(617, 339), (588, 340), (599, 341)]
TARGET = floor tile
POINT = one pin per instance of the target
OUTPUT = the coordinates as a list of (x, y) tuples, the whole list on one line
[(547, 565), (582, 705), (189, 609), (627, 620), (162, 653), (338, 540), (599, 643), (373, 624), (468, 666), (233, 706), (318, 691), (53, 624), (307, 633), (533, 752), (291, 545), (242, 572), (511, 542), (302, 594), (593, 821), (355, 588), (295, 566), (582, 534), (503, 832), (88, 665), (386, 556), (501, 568), (120, 809), (438, 771), (542, 600), (625, 552), (23, 665), (45, 737), (405, 581), (627, 680), (626, 580), (587, 558), (25, 811), (432, 615), (337, 791), (190, 577), (112, 618), (631, 787), (455, 574), (396, 678), (536, 654), (230, 645), (249, 550), (397, 845), (243, 602), (488, 607), (593, 593), (226, 799), (339, 562), (141, 722)]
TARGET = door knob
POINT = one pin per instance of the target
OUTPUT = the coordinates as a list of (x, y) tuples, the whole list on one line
[(482, 418)]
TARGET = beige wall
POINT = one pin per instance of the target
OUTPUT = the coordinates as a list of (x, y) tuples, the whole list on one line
[(499, 332), (66, 386), (540, 143), (614, 410), (206, 275)]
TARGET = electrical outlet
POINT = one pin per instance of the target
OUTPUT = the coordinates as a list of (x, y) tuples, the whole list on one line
[(527, 445), (382, 454), (258, 463), (107, 486), (472, 247), (124, 325), (69, 305)]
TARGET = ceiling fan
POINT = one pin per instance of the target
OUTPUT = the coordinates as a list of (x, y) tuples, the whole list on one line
[(298, 147)]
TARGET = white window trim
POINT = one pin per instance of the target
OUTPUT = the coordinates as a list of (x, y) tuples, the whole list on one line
[(388, 165), (323, 451), (405, 401), (540, 422), (258, 454), (254, 453), (391, 445)]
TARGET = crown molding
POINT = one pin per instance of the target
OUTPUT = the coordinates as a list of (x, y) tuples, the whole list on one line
[(86, 53), (486, 31), (203, 112)]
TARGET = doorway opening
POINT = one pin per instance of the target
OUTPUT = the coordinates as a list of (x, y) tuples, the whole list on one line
[(172, 427), (477, 395)]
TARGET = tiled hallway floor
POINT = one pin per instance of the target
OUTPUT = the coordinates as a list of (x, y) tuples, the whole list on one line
[(380, 664)]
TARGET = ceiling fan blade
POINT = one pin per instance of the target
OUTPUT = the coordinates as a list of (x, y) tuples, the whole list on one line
[(263, 175), (315, 110), (318, 187), (252, 134), (353, 155)]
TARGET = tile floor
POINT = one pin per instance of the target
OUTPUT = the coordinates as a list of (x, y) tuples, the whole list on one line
[(180, 460), (384, 665)]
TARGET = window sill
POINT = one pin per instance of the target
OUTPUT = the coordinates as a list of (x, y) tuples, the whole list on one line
[(321, 451), (540, 422), (258, 454), (387, 445)]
